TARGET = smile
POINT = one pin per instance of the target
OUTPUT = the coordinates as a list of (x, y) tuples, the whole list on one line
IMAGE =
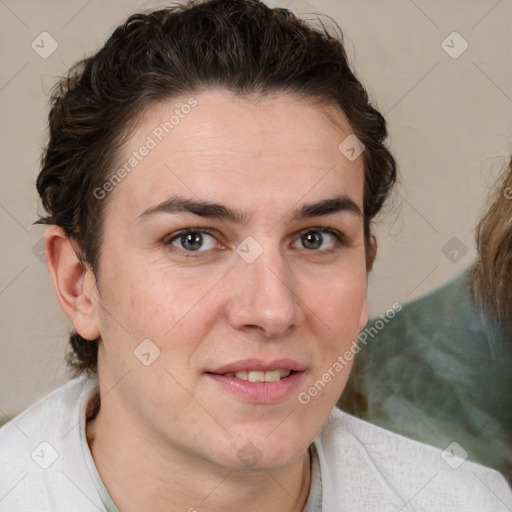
[(259, 382), (258, 376)]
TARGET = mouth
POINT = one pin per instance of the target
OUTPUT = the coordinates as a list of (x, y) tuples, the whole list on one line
[(259, 376), (258, 382)]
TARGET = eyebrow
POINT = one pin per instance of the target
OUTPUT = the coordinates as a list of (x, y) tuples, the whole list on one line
[(177, 204)]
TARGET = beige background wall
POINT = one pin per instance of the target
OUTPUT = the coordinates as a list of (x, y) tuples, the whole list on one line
[(450, 121)]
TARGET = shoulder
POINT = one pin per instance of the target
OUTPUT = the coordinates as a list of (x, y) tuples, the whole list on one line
[(41, 452), (47, 413), (381, 469)]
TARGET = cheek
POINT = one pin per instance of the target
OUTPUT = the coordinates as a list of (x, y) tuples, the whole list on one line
[(170, 309), (337, 314), (342, 299)]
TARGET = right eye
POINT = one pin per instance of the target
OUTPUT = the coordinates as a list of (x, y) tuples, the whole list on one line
[(190, 240)]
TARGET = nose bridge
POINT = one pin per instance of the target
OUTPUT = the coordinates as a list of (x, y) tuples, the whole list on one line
[(263, 294)]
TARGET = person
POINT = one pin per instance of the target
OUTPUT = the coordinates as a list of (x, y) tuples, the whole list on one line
[(210, 181), (439, 371), (490, 277)]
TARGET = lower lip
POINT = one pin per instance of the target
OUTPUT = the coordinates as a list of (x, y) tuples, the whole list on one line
[(260, 392)]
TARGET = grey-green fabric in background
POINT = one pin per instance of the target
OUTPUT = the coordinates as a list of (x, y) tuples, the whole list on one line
[(440, 372)]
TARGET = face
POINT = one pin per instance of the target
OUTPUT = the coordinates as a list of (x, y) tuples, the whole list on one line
[(235, 248)]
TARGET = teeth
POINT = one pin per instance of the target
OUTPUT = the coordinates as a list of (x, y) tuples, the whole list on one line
[(253, 376)]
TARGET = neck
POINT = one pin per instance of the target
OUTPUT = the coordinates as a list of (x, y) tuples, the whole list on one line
[(140, 474)]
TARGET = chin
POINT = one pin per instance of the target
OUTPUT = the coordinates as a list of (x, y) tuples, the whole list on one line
[(261, 453)]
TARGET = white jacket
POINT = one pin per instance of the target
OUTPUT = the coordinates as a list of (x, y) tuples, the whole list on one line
[(358, 467)]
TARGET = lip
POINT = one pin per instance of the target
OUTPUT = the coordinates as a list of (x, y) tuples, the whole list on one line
[(259, 365), (260, 392)]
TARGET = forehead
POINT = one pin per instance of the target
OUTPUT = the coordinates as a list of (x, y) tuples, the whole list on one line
[(251, 153)]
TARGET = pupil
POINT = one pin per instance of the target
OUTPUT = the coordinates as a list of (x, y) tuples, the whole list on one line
[(313, 240), (192, 241)]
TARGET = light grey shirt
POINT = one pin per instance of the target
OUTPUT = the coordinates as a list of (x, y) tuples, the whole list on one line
[(46, 465)]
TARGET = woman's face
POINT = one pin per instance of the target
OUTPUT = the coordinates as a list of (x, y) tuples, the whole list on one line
[(233, 253)]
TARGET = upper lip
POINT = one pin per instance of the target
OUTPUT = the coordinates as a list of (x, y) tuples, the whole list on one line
[(258, 365)]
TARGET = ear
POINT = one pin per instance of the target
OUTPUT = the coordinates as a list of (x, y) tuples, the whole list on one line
[(74, 283), (364, 315), (371, 252)]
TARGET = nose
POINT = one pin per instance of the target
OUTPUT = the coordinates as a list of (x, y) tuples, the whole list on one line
[(263, 296)]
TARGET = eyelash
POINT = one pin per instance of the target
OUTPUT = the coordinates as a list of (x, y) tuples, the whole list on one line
[(340, 239)]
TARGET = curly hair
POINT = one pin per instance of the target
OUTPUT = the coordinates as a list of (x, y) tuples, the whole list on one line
[(491, 275), (241, 46)]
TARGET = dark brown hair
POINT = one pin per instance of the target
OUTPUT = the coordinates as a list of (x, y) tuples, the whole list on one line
[(491, 276), (241, 46)]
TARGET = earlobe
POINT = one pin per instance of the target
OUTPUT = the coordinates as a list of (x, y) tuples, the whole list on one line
[(76, 291)]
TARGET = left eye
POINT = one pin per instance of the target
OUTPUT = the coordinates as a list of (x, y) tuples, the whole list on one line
[(315, 239), (193, 241)]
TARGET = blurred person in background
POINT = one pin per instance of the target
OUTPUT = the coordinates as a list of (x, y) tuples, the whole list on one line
[(440, 371)]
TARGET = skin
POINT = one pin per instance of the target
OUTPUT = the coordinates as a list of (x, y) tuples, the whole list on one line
[(167, 436)]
